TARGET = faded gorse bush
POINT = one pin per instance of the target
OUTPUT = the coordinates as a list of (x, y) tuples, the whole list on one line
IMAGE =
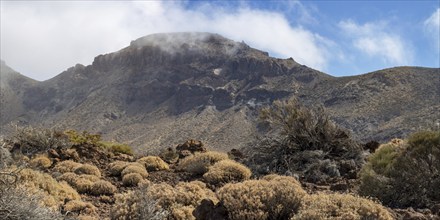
[(303, 141)]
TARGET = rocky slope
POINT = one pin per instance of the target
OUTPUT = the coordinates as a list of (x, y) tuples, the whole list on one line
[(165, 88)]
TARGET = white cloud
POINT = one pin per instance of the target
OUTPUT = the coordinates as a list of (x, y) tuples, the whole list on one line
[(377, 41), (432, 28), (41, 39)]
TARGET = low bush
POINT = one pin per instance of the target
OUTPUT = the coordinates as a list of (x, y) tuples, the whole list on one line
[(135, 168), (82, 183), (17, 202), (132, 179), (153, 163), (115, 168), (102, 187), (340, 206), (55, 192), (41, 161), (199, 163), (162, 201), (303, 141), (405, 173), (31, 141), (227, 171), (88, 169), (66, 166), (275, 197), (80, 207)]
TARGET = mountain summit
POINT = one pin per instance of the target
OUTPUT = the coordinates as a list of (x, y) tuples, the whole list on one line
[(165, 88)]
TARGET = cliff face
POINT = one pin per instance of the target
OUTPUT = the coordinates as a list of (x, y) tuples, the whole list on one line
[(165, 88)]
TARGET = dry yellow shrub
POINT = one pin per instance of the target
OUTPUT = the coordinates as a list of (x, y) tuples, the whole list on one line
[(200, 163), (91, 178), (277, 197), (153, 163), (82, 183), (66, 166), (135, 168), (227, 171), (80, 207), (117, 167), (132, 179), (135, 205), (102, 187), (88, 169), (182, 212), (55, 192), (340, 206), (41, 161), (86, 217)]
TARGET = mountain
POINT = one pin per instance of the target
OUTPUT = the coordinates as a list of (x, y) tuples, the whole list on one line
[(165, 88)]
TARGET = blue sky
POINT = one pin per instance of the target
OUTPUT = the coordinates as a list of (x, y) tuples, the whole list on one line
[(42, 38)]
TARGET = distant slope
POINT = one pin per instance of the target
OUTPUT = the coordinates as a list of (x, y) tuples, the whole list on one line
[(165, 88)]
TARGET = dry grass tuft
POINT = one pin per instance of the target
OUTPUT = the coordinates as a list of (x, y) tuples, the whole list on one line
[(227, 171), (41, 161), (88, 169), (117, 167), (200, 163), (340, 206), (66, 166), (153, 163), (102, 187), (80, 207), (132, 179), (275, 198), (135, 168), (56, 193)]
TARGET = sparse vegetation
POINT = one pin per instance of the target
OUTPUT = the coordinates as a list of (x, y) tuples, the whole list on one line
[(402, 173)]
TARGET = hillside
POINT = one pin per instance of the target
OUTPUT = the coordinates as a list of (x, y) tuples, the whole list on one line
[(165, 88)]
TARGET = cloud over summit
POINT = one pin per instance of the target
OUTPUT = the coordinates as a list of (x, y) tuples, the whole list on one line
[(41, 39)]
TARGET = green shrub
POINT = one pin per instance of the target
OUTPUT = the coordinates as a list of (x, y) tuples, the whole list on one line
[(227, 171), (340, 206), (405, 174), (116, 147), (276, 197), (83, 138)]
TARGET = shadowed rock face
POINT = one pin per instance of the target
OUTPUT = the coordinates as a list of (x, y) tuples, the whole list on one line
[(166, 88)]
